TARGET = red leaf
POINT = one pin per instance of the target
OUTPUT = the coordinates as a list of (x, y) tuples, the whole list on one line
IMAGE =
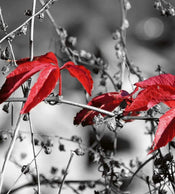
[(163, 79), (165, 131), (108, 101), (81, 73), (43, 87), (47, 58), (18, 77), (151, 96)]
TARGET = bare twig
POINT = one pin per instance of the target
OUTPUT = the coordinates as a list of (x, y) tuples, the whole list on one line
[(31, 42), (27, 21), (57, 99), (11, 190), (9, 151), (34, 154), (55, 181), (142, 165), (10, 45), (66, 172), (62, 33)]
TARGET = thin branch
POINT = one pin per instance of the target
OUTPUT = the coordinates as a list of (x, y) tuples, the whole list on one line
[(142, 165), (34, 154), (57, 99), (31, 42), (46, 181), (27, 21), (9, 151), (66, 172), (62, 33), (4, 29)]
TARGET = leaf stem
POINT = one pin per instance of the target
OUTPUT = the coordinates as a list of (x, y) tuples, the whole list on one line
[(9, 151), (66, 172)]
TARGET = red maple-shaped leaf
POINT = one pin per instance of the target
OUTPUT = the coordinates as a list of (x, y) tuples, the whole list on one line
[(151, 96), (17, 77), (160, 80), (50, 74), (42, 88), (108, 101), (81, 73), (165, 131)]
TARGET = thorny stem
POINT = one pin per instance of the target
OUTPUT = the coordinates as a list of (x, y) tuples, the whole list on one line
[(9, 151), (66, 172), (57, 99), (34, 153), (27, 21)]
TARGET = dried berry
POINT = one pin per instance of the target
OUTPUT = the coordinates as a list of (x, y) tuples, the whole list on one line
[(79, 152), (61, 147), (3, 136), (47, 150), (25, 169)]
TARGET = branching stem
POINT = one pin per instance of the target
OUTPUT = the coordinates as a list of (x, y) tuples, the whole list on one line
[(66, 172), (9, 151), (34, 153), (27, 21)]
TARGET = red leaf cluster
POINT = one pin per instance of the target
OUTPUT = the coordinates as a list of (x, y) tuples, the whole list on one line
[(152, 91), (108, 101), (49, 75)]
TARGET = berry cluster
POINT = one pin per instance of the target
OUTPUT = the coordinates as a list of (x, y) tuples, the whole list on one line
[(164, 7)]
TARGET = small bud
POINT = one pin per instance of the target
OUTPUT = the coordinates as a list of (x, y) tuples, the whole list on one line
[(85, 55), (25, 169), (61, 147), (25, 117), (53, 170), (75, 138), (3, 136), (125, 24), (156, 178), (5, 69), (127, 5), (23, 30), (5, 54), (47, 150), (116, 35), (157, 5), (6, 108), (171, 11), (41, 16), (28, 12), (72, 40), (49, 143), (79, 152), (36, 142), (82, 187), (91, 184)]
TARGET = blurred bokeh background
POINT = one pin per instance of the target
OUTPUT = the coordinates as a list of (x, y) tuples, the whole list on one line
[(150, 42)]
